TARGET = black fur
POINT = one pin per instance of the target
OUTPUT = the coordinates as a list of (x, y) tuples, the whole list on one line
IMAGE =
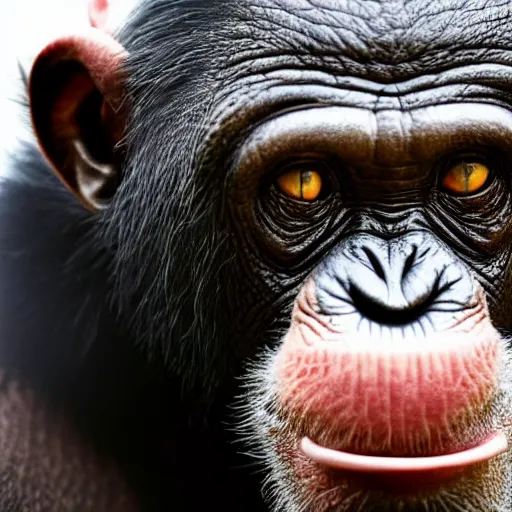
[(91, 303)]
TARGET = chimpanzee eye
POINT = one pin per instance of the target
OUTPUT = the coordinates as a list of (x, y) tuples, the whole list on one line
[(301, 184), (466, 178)]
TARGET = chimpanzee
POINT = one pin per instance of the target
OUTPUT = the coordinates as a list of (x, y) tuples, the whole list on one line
[(261, 261)]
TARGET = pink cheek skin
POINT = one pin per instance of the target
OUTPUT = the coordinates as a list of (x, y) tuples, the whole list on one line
[(387, 393)]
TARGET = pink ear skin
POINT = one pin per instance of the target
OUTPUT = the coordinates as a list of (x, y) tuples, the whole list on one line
[(75, 76), (99, 53), (99, 14)]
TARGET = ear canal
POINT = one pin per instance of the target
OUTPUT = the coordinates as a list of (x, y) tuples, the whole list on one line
[(93, 178), (76, 99)]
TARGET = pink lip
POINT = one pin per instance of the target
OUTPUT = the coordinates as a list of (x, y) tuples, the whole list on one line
[(492, 447)]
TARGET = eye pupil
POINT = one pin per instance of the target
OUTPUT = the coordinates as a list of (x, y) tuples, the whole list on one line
[(469, 169)]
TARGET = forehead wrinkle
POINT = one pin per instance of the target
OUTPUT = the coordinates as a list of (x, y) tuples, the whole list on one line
[(388, 37)]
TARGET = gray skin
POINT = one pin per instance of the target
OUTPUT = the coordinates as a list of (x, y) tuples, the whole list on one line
[(384, 95)]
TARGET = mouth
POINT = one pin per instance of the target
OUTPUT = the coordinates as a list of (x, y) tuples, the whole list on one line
[(351, 420), (492, 447)]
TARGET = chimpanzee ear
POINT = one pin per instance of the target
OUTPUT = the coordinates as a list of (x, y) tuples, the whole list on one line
[(77, 105)]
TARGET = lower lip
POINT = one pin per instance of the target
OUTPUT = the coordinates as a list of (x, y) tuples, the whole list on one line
[(491, 448)]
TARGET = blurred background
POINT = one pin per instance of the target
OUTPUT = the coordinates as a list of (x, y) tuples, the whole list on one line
[(25, 27)]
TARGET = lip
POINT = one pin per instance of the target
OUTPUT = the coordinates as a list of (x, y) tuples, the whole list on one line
[(492, 447)]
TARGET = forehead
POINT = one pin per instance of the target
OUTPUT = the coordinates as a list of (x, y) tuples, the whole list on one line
[(406, 35)]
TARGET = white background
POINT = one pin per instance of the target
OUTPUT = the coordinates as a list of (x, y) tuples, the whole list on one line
[(26, 26)]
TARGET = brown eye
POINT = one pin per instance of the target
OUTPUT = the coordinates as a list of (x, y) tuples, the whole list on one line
[(301, 184), (466, 178)]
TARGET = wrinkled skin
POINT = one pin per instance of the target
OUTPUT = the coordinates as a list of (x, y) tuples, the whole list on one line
[(201, 261)]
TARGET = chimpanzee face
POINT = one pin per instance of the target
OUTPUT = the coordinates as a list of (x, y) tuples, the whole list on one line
[(379, 195), (316, 196)]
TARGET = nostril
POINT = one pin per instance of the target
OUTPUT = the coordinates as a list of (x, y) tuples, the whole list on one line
[(409, 262), (382, 312), (375, 263)]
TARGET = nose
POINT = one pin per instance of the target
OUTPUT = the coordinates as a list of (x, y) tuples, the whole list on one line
[(393, 282), (395, 287)]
